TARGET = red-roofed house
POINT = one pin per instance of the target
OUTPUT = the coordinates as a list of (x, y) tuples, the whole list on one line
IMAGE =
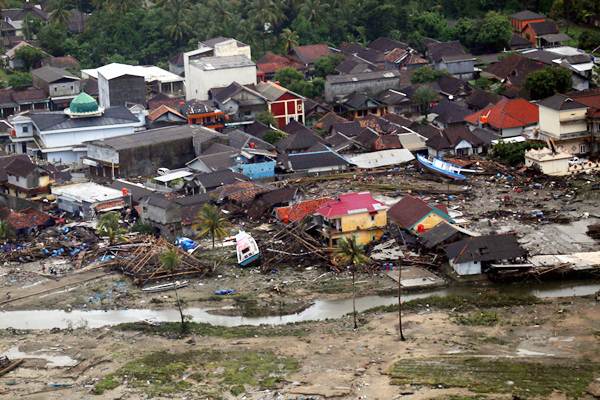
[(299, 211), (356, 215), (270, 63), (509, 117), (283, 104), (413, 214), (309, 54), (25, 221)]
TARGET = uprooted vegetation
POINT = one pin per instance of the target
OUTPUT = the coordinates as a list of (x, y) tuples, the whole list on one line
[(207, 373), (522, 378)]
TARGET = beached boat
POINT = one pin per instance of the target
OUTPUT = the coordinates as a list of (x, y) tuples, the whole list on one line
[(444, 168), (165, 286), (246, 249)]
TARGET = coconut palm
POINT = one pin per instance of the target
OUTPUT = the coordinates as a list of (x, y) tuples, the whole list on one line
[(314, 10), (211, 223), (266, 13), (289, 38), (352, 255), (110, 225), (59, 12)]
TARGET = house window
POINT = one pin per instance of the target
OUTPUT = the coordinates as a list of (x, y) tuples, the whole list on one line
[(462, 152), (583, 148), (25, 129), (55, 89)]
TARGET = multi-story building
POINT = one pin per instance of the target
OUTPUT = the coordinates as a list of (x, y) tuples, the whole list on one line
[(356, 215), (564, 122)]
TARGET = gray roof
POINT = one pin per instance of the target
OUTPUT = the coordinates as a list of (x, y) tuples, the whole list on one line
[(46, 121), (485, 248), (214, 162), (240, 139), (136, 192), (214, 63), (52, 74), (220, 39), (363, 76), (526, 14), (317, 159), (215, 179), (147, 138), (561, 102), (438, 234)]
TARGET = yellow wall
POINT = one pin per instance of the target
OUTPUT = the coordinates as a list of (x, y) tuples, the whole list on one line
[(429, 221), (44, 181), (362, 237), (363, 221), (556, 123)]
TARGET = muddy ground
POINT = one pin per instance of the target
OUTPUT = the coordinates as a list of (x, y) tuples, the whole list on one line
[(557, 342)]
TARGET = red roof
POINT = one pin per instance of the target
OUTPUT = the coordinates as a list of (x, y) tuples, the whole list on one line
[(162, 110), (350, 203), (299, 211), (590, 98), (310, 53), (28, 218), (507, 114), (271, 63)]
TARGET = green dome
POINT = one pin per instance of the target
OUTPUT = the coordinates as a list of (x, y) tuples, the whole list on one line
[(83, 103)]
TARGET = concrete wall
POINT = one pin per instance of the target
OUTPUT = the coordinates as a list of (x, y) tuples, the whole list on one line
[(70, 88), (373, 87), (263, 170), (198, 81), (459, 68), (355, 222), (429, 221), (103, 154), (230, 48), (118, 91), (511, 132), (77, 137), (466, 268), (555, 123)]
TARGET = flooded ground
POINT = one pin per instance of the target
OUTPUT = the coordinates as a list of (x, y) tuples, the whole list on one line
[(318, 311)]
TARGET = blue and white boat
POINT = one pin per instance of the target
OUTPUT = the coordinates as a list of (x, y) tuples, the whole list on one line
[(443, 168), (246, 249)]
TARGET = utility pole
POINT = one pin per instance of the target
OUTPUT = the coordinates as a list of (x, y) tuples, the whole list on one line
[(400, 302)]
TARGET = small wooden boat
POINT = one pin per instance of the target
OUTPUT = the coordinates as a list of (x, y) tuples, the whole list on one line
[(165, 286), (246, 249), (443, 168)]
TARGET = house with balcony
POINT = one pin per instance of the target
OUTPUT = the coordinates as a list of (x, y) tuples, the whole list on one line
[(563, 121), (356, 215)]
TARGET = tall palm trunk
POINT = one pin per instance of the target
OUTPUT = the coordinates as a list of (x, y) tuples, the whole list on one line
[(400, 303), (354, 297)]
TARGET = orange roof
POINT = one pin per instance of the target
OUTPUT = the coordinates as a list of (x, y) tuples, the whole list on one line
[(299, 211), (507, 114), (163, 109)]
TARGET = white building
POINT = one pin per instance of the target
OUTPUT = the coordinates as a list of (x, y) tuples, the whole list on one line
[(206, 73), (59, 136), (88, 199)]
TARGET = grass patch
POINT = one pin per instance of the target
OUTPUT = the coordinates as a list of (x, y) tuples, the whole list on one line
[(464, 302), (162, 372), (109, 382), (483, 318), (173, 329), (484, 375)]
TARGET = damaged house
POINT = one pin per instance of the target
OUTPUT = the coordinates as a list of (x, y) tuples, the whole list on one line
[(478, 254)]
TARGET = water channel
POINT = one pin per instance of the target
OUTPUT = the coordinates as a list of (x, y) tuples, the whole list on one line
[(320, 310)]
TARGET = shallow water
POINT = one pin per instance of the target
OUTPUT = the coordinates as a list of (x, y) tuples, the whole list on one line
[(320, 310)]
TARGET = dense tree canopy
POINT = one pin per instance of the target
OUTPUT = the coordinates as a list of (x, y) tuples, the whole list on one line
[(151, 32), (547, 82)]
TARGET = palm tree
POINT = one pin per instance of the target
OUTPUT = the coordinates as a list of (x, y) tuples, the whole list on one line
[(177, 11), (59, 12), (211, 223), (351, 254), (266, 13), (289, 38), (314, 10), (170, 260), (110, 225)]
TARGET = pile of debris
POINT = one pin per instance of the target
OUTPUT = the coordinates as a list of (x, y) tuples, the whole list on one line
[(72, 242), (293, 245), (593, 231), (141, 261)]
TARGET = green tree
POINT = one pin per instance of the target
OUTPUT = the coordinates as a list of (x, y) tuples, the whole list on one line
[(427, 74), (31, 56), (326, 65), (273, 136), (423, 97), (287, 76), (432, 24), (53, 39), (547, 82), (5, 231), (60, 12), (19, 80), (513, 154), (109, 225), (289, 39), (493, 33), (266, 118), (352, 255), (177, 12), (211, 223)]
